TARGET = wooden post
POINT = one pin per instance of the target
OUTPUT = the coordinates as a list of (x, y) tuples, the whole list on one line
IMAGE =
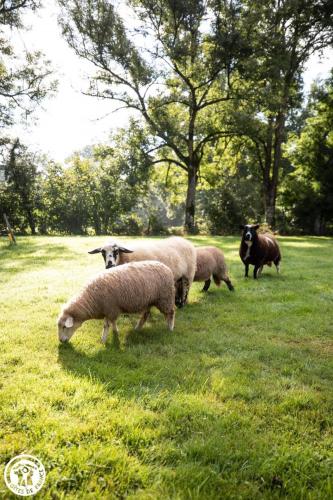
[(10, 231)]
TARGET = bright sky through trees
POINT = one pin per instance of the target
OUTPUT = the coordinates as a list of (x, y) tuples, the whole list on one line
[(70, 120)]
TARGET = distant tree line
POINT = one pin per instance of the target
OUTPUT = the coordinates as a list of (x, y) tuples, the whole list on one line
[(117, 188), (201, 71), (222, 132)]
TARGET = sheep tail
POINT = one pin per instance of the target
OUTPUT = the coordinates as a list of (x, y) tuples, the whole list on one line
[(217, 280)]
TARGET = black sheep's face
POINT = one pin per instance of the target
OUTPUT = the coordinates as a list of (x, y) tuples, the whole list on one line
[(249, 232), (111, 254)]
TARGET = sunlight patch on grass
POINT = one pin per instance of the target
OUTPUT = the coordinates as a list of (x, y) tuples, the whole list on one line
[(235, 403)]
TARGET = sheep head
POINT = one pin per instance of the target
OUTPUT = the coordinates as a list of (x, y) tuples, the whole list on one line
[(111, 254)]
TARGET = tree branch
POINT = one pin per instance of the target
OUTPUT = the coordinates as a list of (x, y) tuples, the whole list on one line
[(170, 160)]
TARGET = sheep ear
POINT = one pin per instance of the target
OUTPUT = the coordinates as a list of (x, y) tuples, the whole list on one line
[(241, 226), (125, 250), (256, 226), (97, 250), (69, 322)]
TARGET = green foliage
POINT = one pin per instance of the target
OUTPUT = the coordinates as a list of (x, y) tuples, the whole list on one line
[(21, 194), (282, 36), (235, 403), (219, 88), (307, 193), (97, 189), (25, 80), (231, 192), (25, 77), (175, 72), (231, 202), (11, 11)]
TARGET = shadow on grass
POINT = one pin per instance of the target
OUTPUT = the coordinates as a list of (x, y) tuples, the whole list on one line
[(32, 255), (149, 363), (154, 359)]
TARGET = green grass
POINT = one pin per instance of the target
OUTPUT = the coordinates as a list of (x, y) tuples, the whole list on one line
[(236, 403)]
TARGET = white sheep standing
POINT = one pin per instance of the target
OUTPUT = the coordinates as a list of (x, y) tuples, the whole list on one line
[(175, 252), (132, 288), (211, 262)]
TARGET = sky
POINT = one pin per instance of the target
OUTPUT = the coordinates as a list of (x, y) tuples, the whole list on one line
[(69, 121)]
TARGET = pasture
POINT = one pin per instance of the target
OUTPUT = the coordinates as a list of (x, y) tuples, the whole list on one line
[(235, 403)]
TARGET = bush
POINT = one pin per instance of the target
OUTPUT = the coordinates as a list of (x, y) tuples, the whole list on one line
[(176, 230), (234, 199), (130, 224)]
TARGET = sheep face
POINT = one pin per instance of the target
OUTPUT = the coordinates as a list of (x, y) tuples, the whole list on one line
[(111, 254), (249, 232), (66, 327)]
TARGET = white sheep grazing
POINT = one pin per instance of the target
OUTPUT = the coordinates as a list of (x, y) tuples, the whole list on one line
[(132, 288), (175, 252), (211, 262)]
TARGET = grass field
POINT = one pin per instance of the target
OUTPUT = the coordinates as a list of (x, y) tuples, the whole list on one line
[(236, 403)]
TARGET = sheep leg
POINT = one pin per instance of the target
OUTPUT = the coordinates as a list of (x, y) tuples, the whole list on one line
[(179, 293), (260, 271), (246, 270), (105, 332), (207, 285), (186, 289), (170, 317), (229, 284), (217, 279), (114, 327), (255, 272), (142, 320), (277, 265)]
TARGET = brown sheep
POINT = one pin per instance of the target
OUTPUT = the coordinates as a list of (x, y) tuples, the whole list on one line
[(211, 262), (258, 250), (131, 288)]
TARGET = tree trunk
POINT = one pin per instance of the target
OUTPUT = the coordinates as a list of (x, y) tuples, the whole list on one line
[(192, 179), (272, 168), (97, 225), (319, 225), (270, 199), (31, 221)]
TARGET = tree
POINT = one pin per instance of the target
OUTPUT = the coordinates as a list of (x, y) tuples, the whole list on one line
[(286, 33), (24, 83), (231, 191), (22, 182), (99, 187), (173, 67), (24, 77), (308, 191)]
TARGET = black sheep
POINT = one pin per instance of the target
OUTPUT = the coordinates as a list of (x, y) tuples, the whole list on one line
[(258, 250)]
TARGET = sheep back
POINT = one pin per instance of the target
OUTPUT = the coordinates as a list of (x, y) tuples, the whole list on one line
[(175, 252), (210, 261)]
